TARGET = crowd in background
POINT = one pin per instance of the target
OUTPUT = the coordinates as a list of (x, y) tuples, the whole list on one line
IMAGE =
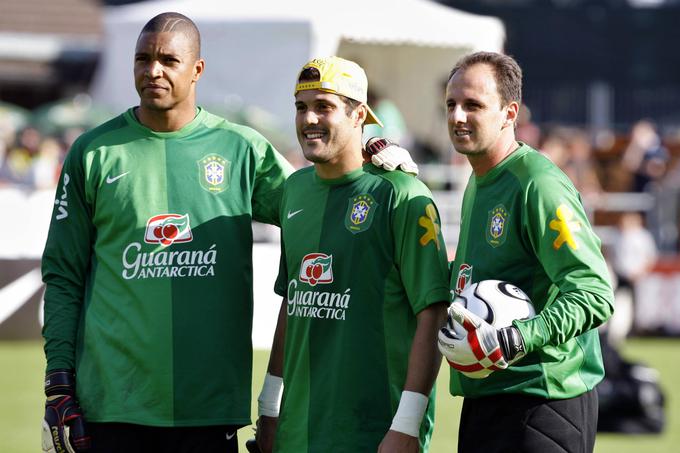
[(639, 161), (31, 159)]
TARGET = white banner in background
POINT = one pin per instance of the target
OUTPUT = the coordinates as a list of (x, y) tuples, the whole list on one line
[(657, 303)]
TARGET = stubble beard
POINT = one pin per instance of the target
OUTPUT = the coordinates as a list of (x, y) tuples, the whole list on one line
[(317, 155), (469, 152), (155, 105)]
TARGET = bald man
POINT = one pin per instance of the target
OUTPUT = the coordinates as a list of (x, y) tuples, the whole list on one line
[(148, 266)]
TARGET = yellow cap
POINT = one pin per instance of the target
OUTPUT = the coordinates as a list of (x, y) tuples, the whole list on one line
[(343, 77)]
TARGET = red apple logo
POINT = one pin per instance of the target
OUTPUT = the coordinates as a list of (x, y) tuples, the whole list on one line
[(316, 268), (167, 229)]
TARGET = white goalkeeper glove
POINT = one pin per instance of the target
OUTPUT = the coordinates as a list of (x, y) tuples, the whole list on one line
[(390, 156), (484, 349)]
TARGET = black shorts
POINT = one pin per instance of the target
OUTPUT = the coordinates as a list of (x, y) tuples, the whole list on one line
[(129, 438), (528, 424)]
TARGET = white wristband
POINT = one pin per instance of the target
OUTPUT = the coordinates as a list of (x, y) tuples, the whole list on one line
[(410, 413), (270, 397)]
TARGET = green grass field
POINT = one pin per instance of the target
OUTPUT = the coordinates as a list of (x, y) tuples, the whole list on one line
[(22, 372)]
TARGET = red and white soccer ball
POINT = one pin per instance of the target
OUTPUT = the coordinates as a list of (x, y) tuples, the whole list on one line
[(498, 303)]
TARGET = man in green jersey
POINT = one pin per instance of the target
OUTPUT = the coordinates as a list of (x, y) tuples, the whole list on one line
[(148, 266), (522, 221), (364, 282)]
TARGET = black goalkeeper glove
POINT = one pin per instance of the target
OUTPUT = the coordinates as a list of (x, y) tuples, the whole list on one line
[(63, 429), (252, 447)]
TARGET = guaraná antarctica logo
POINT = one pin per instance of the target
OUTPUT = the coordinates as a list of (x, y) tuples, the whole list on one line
[(315, 269), (163, 262), (167, 229), (464, 277)]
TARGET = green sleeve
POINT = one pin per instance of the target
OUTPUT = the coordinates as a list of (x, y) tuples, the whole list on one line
[(569, 251), (420, 252), (281, 283), (272, 170), (282, 277), (66, 262)]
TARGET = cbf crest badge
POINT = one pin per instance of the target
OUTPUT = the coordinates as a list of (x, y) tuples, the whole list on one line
[(360, 213), (213, 173), (496, 226)]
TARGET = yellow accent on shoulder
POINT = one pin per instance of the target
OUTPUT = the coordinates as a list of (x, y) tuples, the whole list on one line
[(432, 228), (565, 227)]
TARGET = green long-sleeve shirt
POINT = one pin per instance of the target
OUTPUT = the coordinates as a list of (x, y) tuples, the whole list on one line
[(524, 222)]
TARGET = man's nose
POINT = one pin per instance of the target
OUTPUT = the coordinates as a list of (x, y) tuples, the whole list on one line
[(154, 69), (309, 117), (457, 115)]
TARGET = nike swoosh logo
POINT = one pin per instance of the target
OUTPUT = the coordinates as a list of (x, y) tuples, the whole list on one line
[(293, 213), (15, 294), (109, 179), (231, 435)]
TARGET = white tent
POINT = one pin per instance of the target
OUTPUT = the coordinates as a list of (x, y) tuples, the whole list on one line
[(254, 49)]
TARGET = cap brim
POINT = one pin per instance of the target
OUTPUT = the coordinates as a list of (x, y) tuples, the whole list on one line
[(371, 118)]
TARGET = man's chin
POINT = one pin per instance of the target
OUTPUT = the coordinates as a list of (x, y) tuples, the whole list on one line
[(466, 151), (312, 155), (314, 159), (154, 105)]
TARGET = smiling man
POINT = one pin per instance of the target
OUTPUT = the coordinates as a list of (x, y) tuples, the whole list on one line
[(522, 221), (363, 276)]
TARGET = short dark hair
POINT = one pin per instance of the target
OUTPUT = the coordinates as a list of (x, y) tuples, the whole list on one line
[(506, 70), (175, 23), (313, 75)]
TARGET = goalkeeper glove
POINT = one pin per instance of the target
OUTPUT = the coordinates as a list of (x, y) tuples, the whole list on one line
[(63, 429), (389, 155), (484, 349), (252, 447)]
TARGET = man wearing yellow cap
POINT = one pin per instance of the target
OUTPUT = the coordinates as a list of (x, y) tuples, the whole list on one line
[(363, 276)]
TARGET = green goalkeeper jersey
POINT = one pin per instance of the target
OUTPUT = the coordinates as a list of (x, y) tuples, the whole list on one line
[(523, 222), (148, 269), (361, 256)]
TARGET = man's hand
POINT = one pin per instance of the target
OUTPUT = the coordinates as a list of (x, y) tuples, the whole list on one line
[(481, 336), (458, 352), (389, 155), (63, 429), (483, 349), (396, 442), (252, 447), (265, 432)]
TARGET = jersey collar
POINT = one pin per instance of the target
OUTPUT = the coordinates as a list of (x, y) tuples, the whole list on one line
[(131, 118), (492, 174)]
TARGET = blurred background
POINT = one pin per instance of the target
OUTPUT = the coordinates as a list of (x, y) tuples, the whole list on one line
[(601, 99)]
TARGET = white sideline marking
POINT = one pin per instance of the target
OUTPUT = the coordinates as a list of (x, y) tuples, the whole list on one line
[(16, 293)]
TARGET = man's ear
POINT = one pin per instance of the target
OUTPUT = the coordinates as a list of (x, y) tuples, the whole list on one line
[(361, 113), (199, 67), (511, 114)]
